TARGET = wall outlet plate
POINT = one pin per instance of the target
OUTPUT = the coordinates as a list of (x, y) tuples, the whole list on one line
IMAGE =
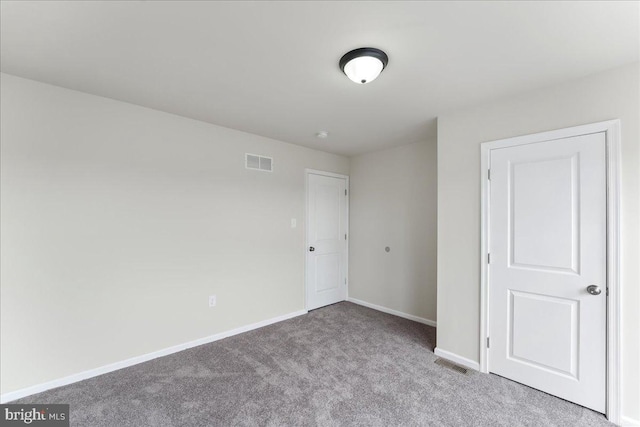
[(212, 300)]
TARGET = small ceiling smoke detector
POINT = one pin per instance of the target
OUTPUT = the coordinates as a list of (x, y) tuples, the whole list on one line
[(322, 134), (363, 65)]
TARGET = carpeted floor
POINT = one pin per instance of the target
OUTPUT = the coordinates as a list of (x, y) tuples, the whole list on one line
[(339, 365)]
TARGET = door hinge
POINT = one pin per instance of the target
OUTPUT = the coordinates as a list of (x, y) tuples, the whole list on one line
[(488, 258), (345, 192), (487, 342), (345, 236), (489, 174), (345, 280), (607, 291)]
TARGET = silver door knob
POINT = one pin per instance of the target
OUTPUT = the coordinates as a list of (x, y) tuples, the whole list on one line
[(594, 290)]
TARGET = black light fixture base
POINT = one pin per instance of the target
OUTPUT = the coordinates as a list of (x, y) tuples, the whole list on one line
[(364, 51)]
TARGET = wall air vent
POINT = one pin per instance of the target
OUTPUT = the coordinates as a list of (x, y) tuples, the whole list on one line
[(259, 163)]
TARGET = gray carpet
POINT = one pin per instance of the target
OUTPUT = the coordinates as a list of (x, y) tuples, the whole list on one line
[(339, 365)]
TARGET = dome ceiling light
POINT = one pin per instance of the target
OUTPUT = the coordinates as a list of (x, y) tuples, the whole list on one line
[(363, 65)]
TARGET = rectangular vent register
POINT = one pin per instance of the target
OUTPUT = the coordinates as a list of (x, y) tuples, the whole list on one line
[(259, 163)]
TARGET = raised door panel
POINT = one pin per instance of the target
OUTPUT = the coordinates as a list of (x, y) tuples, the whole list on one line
[(544, 210)]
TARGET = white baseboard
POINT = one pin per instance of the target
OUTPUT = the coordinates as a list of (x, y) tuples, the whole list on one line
[(38, 388), (394, 312), (629, 422), (467, 363)]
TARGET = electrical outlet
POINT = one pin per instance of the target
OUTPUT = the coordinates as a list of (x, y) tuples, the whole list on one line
[(212, 301), (294, 223)]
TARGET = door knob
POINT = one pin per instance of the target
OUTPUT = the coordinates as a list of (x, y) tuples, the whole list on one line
[(311, 249), (594, 290)]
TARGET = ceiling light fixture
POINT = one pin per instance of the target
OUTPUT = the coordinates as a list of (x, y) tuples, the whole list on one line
[(363, 65), (322, 134)]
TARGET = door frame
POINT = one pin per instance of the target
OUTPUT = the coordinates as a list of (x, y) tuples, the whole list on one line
[(611, 128), (308, 172)]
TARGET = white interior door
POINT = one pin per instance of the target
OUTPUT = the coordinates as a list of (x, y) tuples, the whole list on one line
[(547, 270), (327, 240)]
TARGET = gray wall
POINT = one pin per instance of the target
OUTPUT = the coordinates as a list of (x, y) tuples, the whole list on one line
[(609, 95), (393, 203), (118, 221)]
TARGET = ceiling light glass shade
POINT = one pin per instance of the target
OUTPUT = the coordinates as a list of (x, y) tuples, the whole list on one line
[(364, 69), (363, 65)]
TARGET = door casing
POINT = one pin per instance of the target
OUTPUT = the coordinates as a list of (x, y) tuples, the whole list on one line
[(611, 128), (308, 172)]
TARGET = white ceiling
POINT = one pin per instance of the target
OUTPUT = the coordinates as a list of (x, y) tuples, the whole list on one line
[(271, 68)]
